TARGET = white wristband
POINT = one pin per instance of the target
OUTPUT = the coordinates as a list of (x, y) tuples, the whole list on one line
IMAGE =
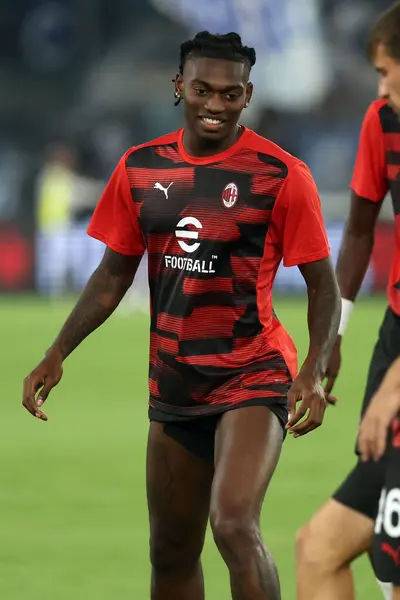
[(347, 308)]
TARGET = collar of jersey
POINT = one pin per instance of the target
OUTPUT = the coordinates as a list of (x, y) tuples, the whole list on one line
[(204, 160)]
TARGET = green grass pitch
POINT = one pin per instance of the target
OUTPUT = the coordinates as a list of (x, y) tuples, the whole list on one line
[(72, 493)]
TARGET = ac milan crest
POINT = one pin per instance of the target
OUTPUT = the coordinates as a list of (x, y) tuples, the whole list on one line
[(230, 195)]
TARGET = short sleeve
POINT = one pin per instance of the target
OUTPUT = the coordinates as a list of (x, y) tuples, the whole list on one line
[(115, 221), (369, 175), (301, 227)]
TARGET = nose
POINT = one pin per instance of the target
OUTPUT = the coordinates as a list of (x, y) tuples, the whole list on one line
[(214, 104), (383, 92)]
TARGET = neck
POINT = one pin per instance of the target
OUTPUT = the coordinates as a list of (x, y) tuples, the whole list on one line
[(196, 146)]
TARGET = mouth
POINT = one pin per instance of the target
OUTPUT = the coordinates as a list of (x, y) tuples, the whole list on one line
[(211, 123)]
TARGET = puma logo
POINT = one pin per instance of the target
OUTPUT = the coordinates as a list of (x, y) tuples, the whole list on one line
[(392, 552), (158, 186)]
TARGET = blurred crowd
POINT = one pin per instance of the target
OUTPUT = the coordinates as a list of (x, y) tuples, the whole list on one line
[(84, 81)]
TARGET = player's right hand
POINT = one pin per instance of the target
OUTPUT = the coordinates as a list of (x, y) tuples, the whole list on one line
[(374, 427), (41, 381), (332, 371)]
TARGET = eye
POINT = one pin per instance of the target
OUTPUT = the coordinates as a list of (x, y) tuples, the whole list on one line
[(231, 97), (200, 91)]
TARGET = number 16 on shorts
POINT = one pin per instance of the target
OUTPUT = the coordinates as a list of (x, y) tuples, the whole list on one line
[(389, 513), (386, 544)]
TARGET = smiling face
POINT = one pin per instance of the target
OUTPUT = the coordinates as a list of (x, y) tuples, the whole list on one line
[(389, 77), (215, 92)]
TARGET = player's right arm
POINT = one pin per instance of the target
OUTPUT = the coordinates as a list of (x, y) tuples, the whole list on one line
[(384, 407), (116, 224), (369, 187), (101, 296)]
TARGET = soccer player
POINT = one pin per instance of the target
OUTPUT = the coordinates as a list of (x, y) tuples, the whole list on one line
[(381, 419), (343, 528), (217, 207)]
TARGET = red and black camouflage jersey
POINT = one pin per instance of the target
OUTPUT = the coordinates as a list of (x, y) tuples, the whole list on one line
[(377, 171), (215, 230)]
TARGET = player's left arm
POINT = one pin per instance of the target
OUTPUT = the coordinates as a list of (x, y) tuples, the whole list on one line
[(305, 244), (323, 323), (384, 407), (323, 313)]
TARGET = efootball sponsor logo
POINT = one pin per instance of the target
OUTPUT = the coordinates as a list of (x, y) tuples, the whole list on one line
[(188, 234), (187, 240), (184, 263)]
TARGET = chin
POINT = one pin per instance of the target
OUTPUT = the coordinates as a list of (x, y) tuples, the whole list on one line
[(215, 136), (395, 107), (211, 136)]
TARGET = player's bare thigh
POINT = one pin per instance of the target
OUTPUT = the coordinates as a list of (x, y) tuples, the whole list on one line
[(396, 592), (335, 536), (247, 450), (178, 491)]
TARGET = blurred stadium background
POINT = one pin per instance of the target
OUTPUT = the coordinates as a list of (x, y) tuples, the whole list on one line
[(81, 82)]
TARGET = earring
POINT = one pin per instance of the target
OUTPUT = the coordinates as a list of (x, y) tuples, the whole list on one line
[(246, 105), (178, 98)]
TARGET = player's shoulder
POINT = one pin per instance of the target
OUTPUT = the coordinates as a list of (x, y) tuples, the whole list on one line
[(379, 119), (388, 119), (136, 154), (378, 112), (376, 106), (270, 152)]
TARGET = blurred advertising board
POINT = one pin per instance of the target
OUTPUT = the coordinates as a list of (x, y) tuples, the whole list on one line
[(63, 261)]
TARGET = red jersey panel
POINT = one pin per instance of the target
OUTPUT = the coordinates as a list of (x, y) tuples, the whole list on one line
[(377, 171), (216, 230)]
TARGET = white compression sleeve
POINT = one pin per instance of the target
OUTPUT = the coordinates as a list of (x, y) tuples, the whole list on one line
[(347, 309), (386, 589)]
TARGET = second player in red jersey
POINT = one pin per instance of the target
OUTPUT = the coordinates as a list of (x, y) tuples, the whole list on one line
[(344, 527), (376, 172), (217, 208)]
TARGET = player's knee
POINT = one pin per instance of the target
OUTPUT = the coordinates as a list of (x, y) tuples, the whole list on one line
[(235, 532), (173, 549), (234, 537), (311, 553)]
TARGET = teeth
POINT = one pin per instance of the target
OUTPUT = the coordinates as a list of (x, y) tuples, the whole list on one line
[(212, 121)]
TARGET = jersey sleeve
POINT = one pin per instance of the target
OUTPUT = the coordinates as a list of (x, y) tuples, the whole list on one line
[(301, 224), (369, 176), (115, 221)]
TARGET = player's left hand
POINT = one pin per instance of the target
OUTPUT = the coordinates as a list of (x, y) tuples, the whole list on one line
[(306, 389), (375, 425)]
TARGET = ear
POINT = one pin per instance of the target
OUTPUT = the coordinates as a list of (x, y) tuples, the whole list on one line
[(249, 92), (179, 84)]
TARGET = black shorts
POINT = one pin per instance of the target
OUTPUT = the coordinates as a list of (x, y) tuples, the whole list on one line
[(197, 434), (385, 552), (361, 490)]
